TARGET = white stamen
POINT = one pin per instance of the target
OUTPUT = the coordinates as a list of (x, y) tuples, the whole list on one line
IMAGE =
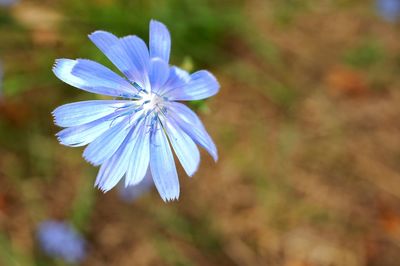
[(151, 101)]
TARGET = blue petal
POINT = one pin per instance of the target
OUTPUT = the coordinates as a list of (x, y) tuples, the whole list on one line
[(109, 44), (93, 77), (101, 78), (140, 154), (103, 147), (137, 51), (113, 169), (132, 193), (160, 40), (201, 85), (162, 165), (177, 78), (189, 122), (159, 72), (103, 40), (79, 113), (184, 147), (86, 133), (62, 69)]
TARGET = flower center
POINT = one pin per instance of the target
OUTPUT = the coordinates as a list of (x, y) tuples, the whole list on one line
[(151, 101)]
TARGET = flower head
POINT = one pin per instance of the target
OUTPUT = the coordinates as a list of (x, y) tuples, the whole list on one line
[(7, 2), (60, 240), (132, 193), (134, 132), (389, 9)]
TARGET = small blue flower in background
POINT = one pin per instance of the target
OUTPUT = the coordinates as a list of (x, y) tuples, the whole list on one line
[(8, 2), (60, 240), (389, 9), (133, 132), (131, 193)]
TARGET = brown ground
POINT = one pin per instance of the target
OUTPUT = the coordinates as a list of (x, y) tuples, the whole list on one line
[(309, 152)]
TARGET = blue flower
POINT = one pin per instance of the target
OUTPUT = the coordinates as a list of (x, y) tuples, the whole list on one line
[(60, 240), (7, 2), (134, 131), (132, 193), (389, 9)]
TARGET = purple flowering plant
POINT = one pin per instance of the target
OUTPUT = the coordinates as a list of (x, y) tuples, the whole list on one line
[(389, 9), (134, 132), (130, 194), (60, 240), (7, 3)]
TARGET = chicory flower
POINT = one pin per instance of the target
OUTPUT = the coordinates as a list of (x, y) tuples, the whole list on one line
[(134, 132)]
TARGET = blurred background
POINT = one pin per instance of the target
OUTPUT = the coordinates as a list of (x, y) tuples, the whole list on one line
[(307, 125)]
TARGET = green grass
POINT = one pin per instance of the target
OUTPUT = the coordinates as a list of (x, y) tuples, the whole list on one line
[(365, 55)]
